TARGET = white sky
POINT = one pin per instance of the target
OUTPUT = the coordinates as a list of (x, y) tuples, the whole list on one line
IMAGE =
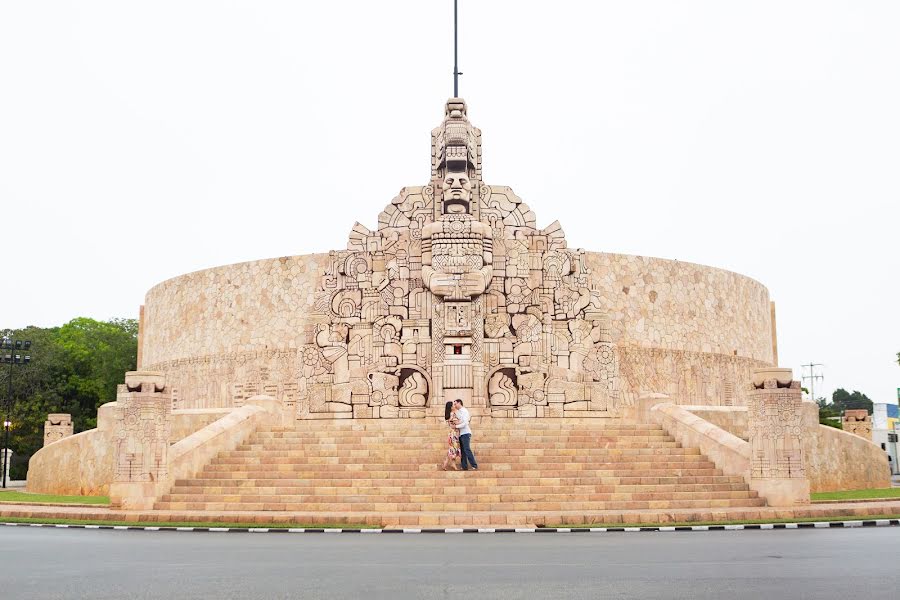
[(140, 141)]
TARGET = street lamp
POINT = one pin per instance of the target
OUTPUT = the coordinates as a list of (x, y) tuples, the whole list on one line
[(15, 347)]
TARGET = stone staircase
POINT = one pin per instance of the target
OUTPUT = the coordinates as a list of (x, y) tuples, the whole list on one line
[(391, 466)]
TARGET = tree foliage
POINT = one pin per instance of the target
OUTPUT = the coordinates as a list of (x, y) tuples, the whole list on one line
[(844, 400), (74, 369)]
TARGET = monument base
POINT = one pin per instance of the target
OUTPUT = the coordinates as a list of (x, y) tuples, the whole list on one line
[(782, 492), (133, 495)]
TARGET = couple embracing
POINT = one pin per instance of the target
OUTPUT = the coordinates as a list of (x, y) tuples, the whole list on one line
[(460, 437)]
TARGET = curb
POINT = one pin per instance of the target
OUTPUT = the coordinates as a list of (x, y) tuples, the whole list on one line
[(761, 526)]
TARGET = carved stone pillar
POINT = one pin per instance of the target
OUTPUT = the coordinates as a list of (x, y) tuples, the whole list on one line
[(857, 422), (56, 427), (775, 420), (141, 433)]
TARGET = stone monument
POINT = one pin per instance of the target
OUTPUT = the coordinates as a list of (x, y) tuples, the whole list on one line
[(457, 294)]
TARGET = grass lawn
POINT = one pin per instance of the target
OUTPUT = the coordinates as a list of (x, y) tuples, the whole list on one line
[(26, 498), (744, 522), (857, 494)]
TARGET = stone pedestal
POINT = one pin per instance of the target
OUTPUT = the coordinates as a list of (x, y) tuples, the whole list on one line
[(56, 427), (776, 427), (143, 425), (857, 422)]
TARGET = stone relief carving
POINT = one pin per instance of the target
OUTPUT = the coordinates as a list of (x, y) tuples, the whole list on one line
[(776, 431), (502, 390), (143, 425), (458, 281), (56, 427), (696, 378), (858, 422)]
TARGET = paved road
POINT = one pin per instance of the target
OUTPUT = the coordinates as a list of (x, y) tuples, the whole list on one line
[(832, 563)]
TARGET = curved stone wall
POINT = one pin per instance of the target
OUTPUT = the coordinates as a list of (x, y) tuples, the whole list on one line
[(659, 303), (234, 308), (690, 331), (264, 305)]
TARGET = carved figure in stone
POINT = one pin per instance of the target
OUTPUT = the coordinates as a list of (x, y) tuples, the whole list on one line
[(502, 390), (384, 389), (496, 325), (332, 339), (414, 391), (456, 280)]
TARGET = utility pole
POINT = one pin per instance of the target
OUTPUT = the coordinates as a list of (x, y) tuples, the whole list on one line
[(812, 377), (456, 72), (13, 358)]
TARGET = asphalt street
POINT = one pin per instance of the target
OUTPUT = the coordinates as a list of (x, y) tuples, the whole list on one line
[(77, 563)]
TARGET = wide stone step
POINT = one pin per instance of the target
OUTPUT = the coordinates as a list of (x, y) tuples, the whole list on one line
[(419, 453), (276, 444), (605, 475), (538, 505), (388, 488), (449, 499), (566, 423), (548, 469), (425, 453), (397, 463), (424, 434), (484, 479)]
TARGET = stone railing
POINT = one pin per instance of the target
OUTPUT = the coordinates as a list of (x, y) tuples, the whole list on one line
[(728, 452), (146, 465)]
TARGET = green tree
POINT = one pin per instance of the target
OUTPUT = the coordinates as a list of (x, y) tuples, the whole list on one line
[(98, 353), (74, 369), (844, 400)]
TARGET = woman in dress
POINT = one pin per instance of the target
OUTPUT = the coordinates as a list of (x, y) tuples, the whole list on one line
[(452, 437)]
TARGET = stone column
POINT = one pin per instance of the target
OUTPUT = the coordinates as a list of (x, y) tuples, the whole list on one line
[(777, 432), (141, 434), (56, 427), (6, 456)]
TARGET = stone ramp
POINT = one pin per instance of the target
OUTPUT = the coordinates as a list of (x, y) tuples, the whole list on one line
[(526, 466)]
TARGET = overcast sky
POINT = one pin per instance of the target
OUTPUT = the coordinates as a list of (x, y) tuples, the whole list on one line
[(140, 141)]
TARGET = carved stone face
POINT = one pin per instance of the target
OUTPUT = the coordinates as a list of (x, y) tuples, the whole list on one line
[(457, 192)]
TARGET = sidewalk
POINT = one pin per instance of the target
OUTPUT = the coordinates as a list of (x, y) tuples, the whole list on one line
[(860, 510)]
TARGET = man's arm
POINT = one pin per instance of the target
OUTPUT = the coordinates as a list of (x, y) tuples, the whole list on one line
[(462, 420)]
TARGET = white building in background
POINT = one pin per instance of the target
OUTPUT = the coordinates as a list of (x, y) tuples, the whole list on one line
[(885, 429)]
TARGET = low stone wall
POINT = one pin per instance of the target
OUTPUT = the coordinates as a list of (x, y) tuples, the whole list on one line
[(78, 465), (188, 457), (83, 464), (837, 460), (732, 419), (188, 421), (728, 452)]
